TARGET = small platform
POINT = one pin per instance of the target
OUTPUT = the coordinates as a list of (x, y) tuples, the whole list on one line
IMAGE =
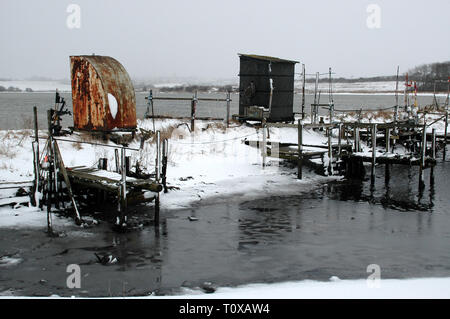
[(108, 181)]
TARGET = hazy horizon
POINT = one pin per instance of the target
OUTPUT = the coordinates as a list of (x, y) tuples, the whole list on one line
[(201, 39)]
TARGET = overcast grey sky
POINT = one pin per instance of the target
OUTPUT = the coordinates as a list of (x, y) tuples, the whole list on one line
[(201, 38)]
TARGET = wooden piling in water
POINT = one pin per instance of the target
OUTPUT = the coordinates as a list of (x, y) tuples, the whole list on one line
[(423, 152), (374, 152), (330, 152), (433, 144)]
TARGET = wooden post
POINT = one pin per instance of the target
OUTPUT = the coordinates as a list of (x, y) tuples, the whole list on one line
[(424, 147), (357, 139), (193, 110), (116, 156), (374, 151), (158, 156), (396, 101), (156, 221), (127, 165), (55, 172), (433, 143), (68, 185), (340, 141), (153, 111), (123, 188), (387, 136), (303, 91), (50, 172), (445, 134), (300, 150), (264, 144), (330, 151), (164, 163), (228, 109), (36, 158)]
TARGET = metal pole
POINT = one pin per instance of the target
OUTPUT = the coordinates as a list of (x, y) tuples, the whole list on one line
[(300, 150)]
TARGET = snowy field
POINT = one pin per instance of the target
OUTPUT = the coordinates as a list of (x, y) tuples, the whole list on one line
[(380, 87)]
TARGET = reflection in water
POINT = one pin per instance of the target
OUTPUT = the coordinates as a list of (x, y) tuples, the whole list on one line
[(334, 230), (396, 194)]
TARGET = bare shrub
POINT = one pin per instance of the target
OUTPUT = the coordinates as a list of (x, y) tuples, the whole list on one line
[(27, 122)]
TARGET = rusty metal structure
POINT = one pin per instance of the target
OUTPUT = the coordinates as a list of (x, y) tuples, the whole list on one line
[(266, 86), (102, 94)]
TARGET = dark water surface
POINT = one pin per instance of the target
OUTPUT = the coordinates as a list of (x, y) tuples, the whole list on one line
[(335, 230)]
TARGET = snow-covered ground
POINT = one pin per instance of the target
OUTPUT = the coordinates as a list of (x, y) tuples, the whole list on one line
[(212, 164), (423, 288)]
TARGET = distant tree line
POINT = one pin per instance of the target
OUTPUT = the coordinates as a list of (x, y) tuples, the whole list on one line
[(429, 75), (198, 88), (13, 89)]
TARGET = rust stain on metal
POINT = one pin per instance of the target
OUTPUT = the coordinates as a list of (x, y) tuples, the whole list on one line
[(93, 78)]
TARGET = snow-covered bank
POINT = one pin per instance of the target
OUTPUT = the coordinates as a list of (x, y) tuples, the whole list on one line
[(427, 288), (211, 165)]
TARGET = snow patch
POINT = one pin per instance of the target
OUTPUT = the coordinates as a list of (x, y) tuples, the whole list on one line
[(112, 105)]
